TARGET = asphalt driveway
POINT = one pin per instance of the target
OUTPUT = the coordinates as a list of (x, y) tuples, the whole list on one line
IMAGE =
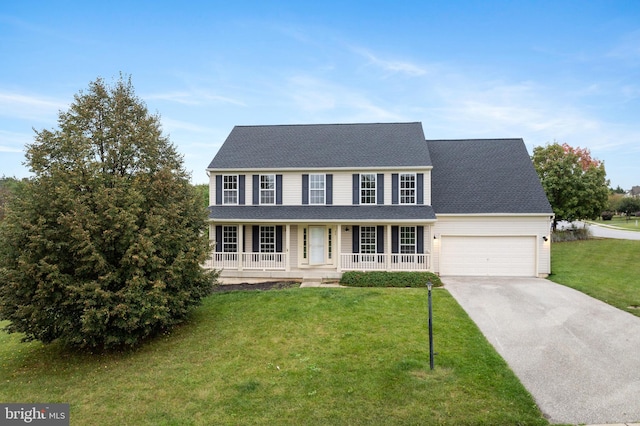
[(577, 356)]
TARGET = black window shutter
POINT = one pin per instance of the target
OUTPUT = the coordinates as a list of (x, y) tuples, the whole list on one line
[(329, 189), (218, 238), (380, 239), (278, 189), (355, 239), (241, 189), (356, 189), (395, 199), (256, 239), (420, 188), (218, 189), (420, 239), (244, 238), (395, 239), (380, 188), (256, 189), (279, 239), (305, 189)]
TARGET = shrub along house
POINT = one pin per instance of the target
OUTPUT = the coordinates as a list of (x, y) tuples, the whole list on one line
[(313, 201)]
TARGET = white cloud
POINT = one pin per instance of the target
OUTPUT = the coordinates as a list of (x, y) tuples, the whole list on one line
[(346, 104), (195, 97), (29, 107), (392, 66)]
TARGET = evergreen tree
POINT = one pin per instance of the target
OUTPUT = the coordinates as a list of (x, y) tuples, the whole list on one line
[(103, 246)]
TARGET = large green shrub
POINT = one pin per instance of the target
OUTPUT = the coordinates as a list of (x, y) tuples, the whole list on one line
[(103, 246), (389, 279)]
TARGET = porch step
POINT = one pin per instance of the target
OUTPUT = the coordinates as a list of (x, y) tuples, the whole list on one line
[(313, 282)]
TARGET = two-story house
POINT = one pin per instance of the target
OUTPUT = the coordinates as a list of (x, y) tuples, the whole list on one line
[(313, 201)]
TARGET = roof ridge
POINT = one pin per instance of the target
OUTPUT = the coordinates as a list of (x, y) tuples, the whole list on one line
[(326, 124), (475, 139)]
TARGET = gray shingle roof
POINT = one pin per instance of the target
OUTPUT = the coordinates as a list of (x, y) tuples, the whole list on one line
[(324, 146), (322, 213), (484, 176)]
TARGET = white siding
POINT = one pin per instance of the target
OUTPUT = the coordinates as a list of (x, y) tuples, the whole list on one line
[(342, 184), (293, 249), (516, 226), (212, 190)]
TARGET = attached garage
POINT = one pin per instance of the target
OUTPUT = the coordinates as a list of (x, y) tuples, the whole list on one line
[(488, 255)]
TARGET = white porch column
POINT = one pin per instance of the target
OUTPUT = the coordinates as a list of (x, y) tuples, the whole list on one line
[(338, 249), (240, 243), (287, 256), (388, 249)]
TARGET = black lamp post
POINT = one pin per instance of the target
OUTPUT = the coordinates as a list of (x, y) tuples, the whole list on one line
[(429, 286)]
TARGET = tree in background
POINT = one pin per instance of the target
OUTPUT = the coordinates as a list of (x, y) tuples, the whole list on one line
[(103, 246), (575, 183), (629, 206), (617, 190), (202, 189)]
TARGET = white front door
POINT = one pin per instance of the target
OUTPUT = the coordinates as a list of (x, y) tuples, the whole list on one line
[(316, 246)]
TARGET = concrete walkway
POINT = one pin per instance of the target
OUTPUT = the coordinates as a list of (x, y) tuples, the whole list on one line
[(577, 356)]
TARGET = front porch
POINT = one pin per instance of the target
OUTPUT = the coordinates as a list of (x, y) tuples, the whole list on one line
[(317, 251), (348, 262)]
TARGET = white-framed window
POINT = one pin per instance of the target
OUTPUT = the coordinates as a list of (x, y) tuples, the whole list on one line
[(267, 239), (230, 189), (407, 188), (368, 242), (267, 189), (230, 239), (368, 188), (407, 239), (317, 187)]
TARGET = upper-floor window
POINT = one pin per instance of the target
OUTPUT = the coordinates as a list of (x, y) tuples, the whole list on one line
[(367, 188), (230, 189), (267, 189), (317, 186), (407, 188)]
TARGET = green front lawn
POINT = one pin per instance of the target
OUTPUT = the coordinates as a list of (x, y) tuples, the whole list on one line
[(630, 224), (606, 269), (294, 356)]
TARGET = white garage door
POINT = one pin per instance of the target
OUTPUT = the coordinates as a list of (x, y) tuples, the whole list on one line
[(492, 256)]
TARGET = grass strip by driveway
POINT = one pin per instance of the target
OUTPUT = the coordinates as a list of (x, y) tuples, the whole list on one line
[(295, 356), (618, 222), (606, 269)]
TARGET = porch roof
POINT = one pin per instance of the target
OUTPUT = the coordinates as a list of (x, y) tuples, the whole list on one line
[(307, 213)]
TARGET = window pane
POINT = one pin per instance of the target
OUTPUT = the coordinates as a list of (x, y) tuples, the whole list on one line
[(367, 188), (407, 188), (229, 239), (407, 239), (267, 189), (316, 189), (367, 239), (267, 239), (230, 189)]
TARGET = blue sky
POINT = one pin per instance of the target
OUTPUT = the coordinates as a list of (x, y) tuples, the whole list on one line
[(566, 71)]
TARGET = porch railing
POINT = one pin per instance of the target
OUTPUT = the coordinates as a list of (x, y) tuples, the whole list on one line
[(348, 261), (261, 261), (384, 262)]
